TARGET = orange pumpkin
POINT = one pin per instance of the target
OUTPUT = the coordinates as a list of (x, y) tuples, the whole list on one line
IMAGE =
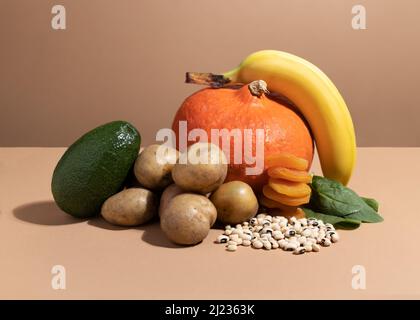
[(247, 107)]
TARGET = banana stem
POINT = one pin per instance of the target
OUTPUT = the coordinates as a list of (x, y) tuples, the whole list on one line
[(209, 79)]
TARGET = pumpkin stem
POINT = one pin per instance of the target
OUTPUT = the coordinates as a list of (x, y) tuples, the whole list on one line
[(258, 87), (209, 79)]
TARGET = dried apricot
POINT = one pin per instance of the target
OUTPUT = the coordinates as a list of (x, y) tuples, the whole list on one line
[(271, 204), (270, 193), (290, 174), (286, 160), (289, 188)]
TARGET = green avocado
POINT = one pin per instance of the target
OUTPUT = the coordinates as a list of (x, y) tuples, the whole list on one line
[(94, 168)]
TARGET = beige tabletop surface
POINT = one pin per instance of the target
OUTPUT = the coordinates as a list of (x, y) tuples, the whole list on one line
[(106, 262)]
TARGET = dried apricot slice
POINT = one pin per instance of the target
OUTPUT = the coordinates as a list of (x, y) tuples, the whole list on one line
[(283, 199), (290, 174), (289, 188), (271, 204), (286, 160)]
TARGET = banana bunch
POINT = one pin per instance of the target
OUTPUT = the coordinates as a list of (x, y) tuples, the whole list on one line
[(314, 95)]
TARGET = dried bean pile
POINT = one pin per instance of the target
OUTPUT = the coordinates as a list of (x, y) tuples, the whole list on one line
[(264, 231)]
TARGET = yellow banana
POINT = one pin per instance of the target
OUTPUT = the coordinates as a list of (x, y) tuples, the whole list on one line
[(314, 95)]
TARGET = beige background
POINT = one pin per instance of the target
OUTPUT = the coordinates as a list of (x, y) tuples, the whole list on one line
[(126, 60), (107, 262)]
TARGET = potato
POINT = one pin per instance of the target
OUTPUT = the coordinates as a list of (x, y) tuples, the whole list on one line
[(168, 194), (235, 202), (202, 168), (188, 218), (130, 207), (154, 165)]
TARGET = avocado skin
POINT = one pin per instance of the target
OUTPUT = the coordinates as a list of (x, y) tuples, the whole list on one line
[(94, 168)]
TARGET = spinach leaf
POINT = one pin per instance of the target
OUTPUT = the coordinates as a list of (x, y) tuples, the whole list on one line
[(331, 198), (371, 203), (338, 222)]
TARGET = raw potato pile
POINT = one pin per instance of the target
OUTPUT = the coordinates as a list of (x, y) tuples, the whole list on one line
[(264, 231)]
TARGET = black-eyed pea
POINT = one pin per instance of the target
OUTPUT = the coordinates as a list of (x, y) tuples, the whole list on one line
[(310, 240), (292, 220), (290, 232), (253, 222), (266, 230), (222, 239), (237, 231), (265, 236), (275, 226), (293, 239), (282, 243), (234, 236), (308, 248), (325, 242), (278, 235), (335, 237), (248, 231), (316, 247), (291, 246), (302, 240), (274, 244), (329, 227), (246, 243), (299, 250), (257, 244), (266, 223), (232, 247), (306, 232), (267, 245), (246, 236), (303, 222)]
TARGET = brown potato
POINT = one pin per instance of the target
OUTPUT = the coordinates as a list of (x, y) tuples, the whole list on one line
[(168, 194), (202, 168), (235, 202), (153, 166), (187, 218), (130, 207)]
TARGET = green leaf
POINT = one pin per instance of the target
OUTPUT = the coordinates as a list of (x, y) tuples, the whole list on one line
[(371, 203), (331, 198), (338, 222)]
